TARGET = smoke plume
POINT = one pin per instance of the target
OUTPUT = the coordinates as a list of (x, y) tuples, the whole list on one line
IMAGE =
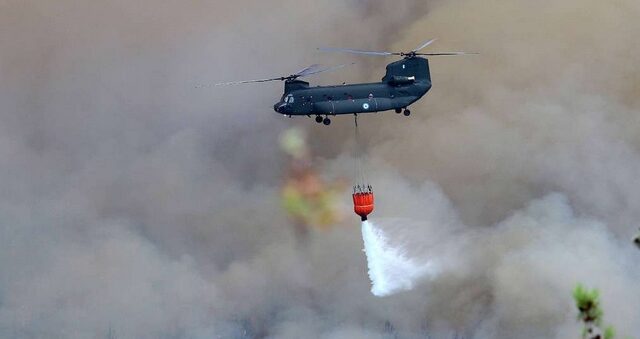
[(133, 203)]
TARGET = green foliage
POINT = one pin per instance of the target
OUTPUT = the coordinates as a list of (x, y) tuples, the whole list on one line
[(590, 313), (588, 305), (609, 332)]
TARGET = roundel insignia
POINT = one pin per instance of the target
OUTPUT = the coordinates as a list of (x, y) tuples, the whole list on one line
[(365, 105)]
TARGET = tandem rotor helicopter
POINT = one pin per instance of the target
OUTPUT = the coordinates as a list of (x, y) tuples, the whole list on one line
[(404, 83)]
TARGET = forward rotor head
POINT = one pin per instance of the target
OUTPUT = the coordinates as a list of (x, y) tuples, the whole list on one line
[(307, 71)]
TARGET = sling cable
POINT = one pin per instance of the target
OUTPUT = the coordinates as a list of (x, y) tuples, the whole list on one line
[(362, 192)]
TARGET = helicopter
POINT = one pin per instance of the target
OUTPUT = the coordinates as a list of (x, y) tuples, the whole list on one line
[(404, 83)]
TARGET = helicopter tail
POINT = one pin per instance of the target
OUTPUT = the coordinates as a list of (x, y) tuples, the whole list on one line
[(408, 70)]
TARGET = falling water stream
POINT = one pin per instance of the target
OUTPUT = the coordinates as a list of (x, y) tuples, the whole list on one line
[(390, 270)]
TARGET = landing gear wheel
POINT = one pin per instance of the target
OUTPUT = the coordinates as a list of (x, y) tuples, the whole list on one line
[(326, 121), (407, 112), (318, 119), (398, 110)]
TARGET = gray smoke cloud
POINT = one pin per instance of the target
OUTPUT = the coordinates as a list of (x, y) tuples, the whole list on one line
[(134, 202)]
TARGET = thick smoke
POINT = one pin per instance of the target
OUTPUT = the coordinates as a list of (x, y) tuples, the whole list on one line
[(547, 107), (134, 202)]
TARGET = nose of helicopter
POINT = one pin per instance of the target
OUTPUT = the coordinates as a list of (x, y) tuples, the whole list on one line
[(280, 107)]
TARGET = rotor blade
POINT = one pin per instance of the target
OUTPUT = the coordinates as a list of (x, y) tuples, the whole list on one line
[(424, 45), (313, 69), (239, 82), (308, 69), (356, 51), (327, 69), (448, 53)]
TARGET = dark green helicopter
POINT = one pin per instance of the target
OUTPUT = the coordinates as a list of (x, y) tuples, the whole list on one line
[(405, 81)]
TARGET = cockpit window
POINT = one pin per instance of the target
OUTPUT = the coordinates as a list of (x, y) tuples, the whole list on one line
[(289, 99)]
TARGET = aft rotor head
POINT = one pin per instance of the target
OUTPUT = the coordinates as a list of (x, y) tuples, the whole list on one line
[(410, 54)]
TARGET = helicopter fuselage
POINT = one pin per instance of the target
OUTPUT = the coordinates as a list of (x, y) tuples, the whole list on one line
[(405, 82)]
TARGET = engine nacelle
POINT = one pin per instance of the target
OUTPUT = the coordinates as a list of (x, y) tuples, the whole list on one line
[(401, 80)]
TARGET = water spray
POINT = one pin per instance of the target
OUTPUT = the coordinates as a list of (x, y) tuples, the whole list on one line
[(390, 269)]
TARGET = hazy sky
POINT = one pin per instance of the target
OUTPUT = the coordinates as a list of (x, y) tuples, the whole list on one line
[(134, 201)]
